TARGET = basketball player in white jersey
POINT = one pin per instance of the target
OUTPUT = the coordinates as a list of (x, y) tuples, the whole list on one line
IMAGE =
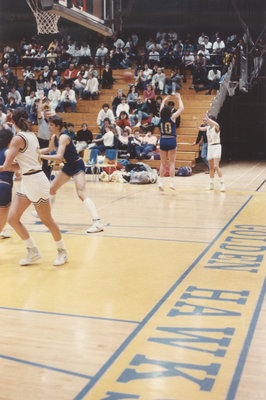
[(34, 188), (212, 129)]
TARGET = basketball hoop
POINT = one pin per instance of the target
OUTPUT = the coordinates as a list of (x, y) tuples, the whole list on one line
[(46, 21), (231, 87)]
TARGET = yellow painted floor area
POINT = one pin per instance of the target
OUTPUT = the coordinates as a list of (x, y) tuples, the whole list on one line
[(166, 304)]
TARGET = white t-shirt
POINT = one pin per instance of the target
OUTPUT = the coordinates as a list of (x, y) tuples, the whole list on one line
[(108, 139)]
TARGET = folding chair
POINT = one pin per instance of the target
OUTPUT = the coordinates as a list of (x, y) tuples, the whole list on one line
[(90, 158)]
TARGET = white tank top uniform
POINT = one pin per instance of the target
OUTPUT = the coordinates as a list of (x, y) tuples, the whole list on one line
[(34, 185), (214, 144)]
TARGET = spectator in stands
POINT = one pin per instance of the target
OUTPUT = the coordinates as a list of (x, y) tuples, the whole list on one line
[(147, 72), (214, 76), (107, 77), (201, 39), (54, 96), (173, 83), (29, 101), (52, 56), (40, 83), (187, 63), (46, 73), (158, 80), (117, 100), (63, 60), (70, 75), (140, 80), (91, 89), (204, 52), (68, 98), (134, 142), (132, 97), (148, 145), (140, 112), (43, 132), (85, 54), (28, 71), (122, 122), (14, 94), (149, 98), (39, 59), (164, 56), (123, 137), (118, 42), (126, 61), (207, 44), (69, 130), (79, 85), (156, 115), (93, 71), (218, 49), (101, 55), (56, 78), (154, 57), (104, 142), (104, 113), (116, 56), (198, 76), (26, 92), (83, 138), (123, 106)]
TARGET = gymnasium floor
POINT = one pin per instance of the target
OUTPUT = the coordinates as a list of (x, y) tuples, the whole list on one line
[(166, 304)]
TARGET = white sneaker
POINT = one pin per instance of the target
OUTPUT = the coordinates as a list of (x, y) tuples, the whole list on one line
[(172, 186), (62, 257), (4, 234), (138, 125), (222, 188), (34, 214), (32, 256), (211, 186), (96, 227), (160, 187)]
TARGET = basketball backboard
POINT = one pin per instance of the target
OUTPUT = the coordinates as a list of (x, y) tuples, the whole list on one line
[(76, 11)]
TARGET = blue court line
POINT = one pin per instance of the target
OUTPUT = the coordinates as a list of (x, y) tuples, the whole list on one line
[(258, 188), (68, 315), (245, 349), (33, 364), (146, 319)]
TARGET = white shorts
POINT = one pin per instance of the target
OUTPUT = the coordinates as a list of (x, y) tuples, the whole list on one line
[(35, 187), (214, 151)]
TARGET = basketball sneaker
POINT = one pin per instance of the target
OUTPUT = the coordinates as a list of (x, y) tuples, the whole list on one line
[(172, 186), (96, 227), (211, 186), (62, 257), (160, 186), (32, 256), (4, 234), (222, 188)]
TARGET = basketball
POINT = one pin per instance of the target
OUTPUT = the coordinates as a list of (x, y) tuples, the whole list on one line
[(128, 76)]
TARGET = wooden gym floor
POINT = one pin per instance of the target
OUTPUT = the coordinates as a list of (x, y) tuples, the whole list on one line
[(166, 304)]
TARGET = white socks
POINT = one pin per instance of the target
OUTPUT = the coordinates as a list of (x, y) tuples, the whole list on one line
[(29, 243), (91, 208), (60, 244)]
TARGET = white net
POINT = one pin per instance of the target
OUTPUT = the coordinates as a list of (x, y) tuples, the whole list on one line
[(46, 21)]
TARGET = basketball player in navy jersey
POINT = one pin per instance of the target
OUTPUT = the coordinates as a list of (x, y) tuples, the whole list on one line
[(167, 126), (73, 167), (6, 181)]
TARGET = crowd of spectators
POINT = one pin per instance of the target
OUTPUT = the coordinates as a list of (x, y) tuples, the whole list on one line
[(60, 73)]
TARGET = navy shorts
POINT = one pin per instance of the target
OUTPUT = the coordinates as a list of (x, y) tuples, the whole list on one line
[(74, 168), (168, 143), (5, 194)]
